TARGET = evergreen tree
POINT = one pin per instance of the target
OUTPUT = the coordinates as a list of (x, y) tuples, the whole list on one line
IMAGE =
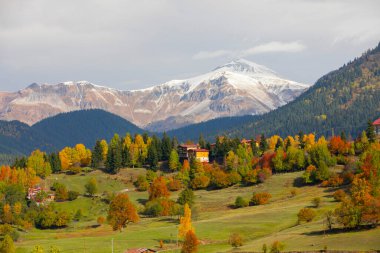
[(174, 160), (114, 156), (174, 143), (263, 143), (152, 158), (126, 156), (156, 142), (370, 131), (19, 162), (97, 155), (343, 136), (166, 147), (201, 141)]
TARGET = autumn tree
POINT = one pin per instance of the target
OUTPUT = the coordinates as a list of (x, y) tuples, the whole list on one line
[(38, 161), (91, 187), (158, 189), (236, 240), (174, 160), (190, 245), (306, 214), (185, 222), (121, 212), (7, 245), (84, 154), (260, 198)]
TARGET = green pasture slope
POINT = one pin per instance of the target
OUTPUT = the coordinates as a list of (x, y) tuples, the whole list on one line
[(214, 220)]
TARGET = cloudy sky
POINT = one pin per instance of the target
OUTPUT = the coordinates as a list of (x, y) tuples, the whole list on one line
[(136, 44)]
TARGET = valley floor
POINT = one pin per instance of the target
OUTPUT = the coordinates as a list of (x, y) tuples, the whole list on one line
[(214, 220)]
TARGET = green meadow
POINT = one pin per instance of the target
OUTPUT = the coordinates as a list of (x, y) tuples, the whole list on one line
[(214, 219)]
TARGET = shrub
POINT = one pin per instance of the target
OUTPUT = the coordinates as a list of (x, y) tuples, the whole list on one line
[(236, 240), (260, 198), (293, 193), (234, 178), (316, 202), (240, 202), (141, 183), (73, 195), (78, 215), (306, 214), (100, 220), (277, 247), (339, 195)]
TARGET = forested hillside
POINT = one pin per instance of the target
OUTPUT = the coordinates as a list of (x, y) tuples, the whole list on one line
[(62, 130), (342, 100)]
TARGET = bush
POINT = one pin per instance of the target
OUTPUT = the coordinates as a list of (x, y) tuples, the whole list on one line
[(261, 198), (78, 215), (316, 202), (306, 214), (277, 247), (293, 193), (241, 202), (100, 220), (236, 240), (141, 183), (73, 195), (339, 195)]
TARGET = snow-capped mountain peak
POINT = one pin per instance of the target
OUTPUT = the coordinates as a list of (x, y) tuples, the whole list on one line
[(239, 87), (246, 67)]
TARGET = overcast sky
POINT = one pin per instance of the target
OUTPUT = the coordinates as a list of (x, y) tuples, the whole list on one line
[(136, 44)]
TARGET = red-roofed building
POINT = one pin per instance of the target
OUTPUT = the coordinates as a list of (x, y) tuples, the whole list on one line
[(376, 124), (183, 150)]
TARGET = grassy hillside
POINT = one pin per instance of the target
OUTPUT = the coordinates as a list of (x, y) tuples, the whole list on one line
[(213, 218), (342, 100)]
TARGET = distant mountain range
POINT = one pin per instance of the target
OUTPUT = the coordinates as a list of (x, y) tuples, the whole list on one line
[(342, 100), (66, 129), (237, 88)]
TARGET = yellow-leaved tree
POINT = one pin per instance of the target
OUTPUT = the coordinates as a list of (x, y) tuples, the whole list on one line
[(185, 222)]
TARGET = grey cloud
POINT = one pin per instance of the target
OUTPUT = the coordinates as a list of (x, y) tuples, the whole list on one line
[(109, 42)]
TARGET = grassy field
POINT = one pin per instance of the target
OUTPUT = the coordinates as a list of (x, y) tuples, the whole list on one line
[(214, 220)]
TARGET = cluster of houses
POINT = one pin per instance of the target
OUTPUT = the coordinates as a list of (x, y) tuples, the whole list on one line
[(33, 193), (187, 151)]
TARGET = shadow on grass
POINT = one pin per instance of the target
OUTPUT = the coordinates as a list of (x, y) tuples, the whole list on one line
[(142, 201), (340, 230)]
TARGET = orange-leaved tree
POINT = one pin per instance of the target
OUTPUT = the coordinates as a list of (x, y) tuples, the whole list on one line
[(185, 222), (158, 189), (121, 212), (190, 245)]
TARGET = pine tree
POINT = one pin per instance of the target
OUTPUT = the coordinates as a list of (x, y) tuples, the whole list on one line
[(55, 162), (152, 158), (114, 157), (263, 143), (166, 147), (201, 141), (370, 131), (97, 155)]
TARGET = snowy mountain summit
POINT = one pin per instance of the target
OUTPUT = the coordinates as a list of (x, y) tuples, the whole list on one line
[(239, 87)]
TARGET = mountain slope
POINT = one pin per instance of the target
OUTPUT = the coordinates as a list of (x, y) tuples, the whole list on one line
[(66, 129), (342, 100), (236, 88)]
